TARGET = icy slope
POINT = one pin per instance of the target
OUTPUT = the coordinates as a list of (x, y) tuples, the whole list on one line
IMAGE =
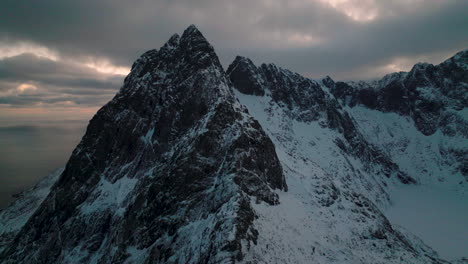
[(322, 219), (431, 159), (420, 120), (431, 100), (15, 216), (305, 118), (435, 208), (337, 180)]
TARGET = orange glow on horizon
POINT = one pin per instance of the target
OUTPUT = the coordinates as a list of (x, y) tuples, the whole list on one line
[(10, 116)]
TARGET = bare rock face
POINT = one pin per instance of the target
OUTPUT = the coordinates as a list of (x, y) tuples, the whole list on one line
[(245, 76), (164, 174)]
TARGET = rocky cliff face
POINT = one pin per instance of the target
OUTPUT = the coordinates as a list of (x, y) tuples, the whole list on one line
[(307, 101), (337, 179), (164, 174), (189, 164), (433, 97), (430, 95)]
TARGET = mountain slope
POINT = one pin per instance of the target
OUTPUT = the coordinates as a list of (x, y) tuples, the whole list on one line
[(164, 173), (338, 181), (432, 95), (305, 106), (15, 216), (419, 117)]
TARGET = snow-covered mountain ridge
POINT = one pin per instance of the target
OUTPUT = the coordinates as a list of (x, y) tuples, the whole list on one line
[(191, 164), (314, 132), (431, 99)]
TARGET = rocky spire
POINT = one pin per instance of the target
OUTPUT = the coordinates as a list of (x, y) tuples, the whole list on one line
[(245, 76), (198, 50)]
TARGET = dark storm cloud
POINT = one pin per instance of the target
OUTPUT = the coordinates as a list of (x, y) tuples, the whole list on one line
[(366, 45), (307, 36), (120, 30), (28, 67), (29, 80)]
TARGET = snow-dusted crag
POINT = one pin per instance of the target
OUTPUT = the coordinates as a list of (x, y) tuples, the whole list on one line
[(338, 180), (191, 164), (293, 99), (13, 218), (418, 117), (164, 174), (430, 95)]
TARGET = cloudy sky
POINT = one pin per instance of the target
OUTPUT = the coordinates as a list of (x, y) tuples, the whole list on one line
[(63, 59)]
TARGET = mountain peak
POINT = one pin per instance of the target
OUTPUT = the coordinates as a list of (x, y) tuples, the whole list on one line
[(163, 167), (241, 59), (179, 57), (193, 34), (328, 81), (461, 55), (197, 49), (244, 76), (460, 59), (192, 29)]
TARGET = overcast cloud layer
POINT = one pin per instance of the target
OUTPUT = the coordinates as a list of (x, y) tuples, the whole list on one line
[(63, 54)]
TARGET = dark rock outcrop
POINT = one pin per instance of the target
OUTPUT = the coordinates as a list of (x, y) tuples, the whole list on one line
[(244, 75)]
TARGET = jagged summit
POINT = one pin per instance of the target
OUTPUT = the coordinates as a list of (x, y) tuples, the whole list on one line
[(194, 42), (192, 29), (193, 32), (172, 43), (245, 76), (179, 58), (460, 58), (430, 94)]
